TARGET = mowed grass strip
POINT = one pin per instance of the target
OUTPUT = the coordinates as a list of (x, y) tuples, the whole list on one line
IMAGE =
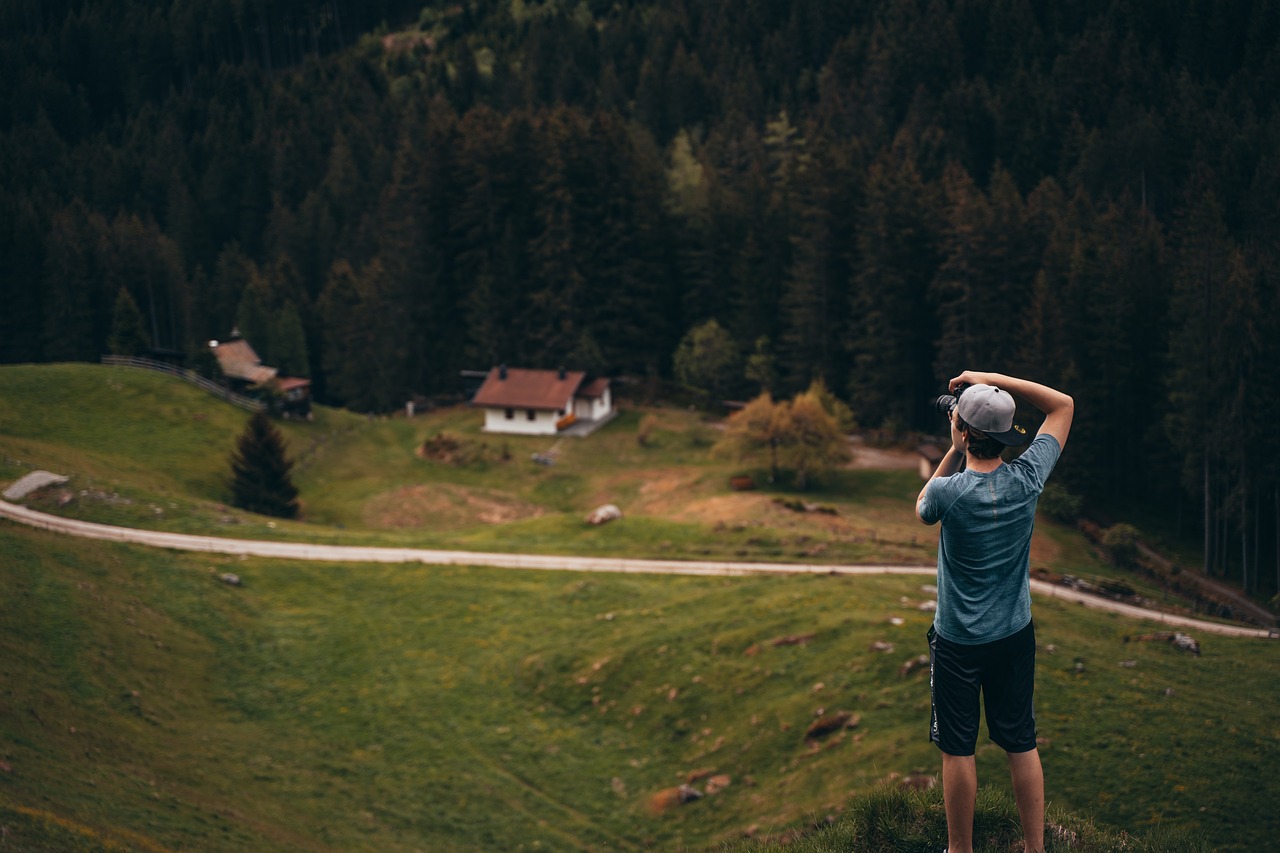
[(334, 707)]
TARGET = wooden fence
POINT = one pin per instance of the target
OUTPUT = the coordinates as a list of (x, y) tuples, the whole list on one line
[(247, 403)]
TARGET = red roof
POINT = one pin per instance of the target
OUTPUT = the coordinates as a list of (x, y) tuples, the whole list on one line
[(595, 388), (528, 389)]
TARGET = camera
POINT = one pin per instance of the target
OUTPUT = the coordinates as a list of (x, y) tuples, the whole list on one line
[(947, 402)]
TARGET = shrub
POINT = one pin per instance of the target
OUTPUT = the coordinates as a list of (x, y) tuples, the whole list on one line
[(1059, 504), (1122, 541)]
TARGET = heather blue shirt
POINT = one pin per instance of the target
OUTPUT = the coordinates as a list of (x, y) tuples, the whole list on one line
[(984, 552)]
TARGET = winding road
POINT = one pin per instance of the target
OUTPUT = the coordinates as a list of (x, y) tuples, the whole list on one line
[(366, 554)]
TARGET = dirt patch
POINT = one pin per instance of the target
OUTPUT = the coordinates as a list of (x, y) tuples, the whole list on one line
[(444, 505)]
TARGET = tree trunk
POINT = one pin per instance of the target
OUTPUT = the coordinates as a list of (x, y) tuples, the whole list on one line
[(1208, 566)]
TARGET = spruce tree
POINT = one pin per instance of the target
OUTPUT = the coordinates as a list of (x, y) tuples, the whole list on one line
[(128, 330), (260, 472)]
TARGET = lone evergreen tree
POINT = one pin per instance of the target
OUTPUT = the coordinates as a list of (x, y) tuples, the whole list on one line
[(260, 472), (128, 331)]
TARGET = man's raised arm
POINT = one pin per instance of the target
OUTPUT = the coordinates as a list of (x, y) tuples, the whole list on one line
[(1059, 408)]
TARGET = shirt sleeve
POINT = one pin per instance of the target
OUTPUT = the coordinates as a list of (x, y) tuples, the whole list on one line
[(931, 506), (1040, 458)]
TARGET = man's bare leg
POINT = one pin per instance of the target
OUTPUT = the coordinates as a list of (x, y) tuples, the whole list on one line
[(1028, 790), (959, 792)]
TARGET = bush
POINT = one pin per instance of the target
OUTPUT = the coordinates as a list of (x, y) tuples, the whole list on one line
[(1059, 504), (1122, 541)]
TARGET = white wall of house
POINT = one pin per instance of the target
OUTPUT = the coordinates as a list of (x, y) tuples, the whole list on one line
[(519, 422), (593, 408)]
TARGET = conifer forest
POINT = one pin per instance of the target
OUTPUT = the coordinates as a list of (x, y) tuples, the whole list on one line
[(877, 193)]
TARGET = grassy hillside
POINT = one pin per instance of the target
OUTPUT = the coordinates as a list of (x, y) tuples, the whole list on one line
[(146, 450), (324, 707), (147, 706)]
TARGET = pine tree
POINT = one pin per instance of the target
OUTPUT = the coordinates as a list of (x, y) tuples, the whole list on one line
[(128, 332), (260, 471)]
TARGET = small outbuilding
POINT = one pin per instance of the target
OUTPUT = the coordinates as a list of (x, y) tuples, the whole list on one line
[(542, 402), (247, 374)]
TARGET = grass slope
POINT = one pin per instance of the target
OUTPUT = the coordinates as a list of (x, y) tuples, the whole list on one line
[(146, 706), (324, 707), (147, 450)]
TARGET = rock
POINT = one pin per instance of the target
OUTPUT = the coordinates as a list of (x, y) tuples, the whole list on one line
[(831, 723), (668, 798), (882, 646), (1185, 642), (1177, 639), (32, 482), (718, 783), (230, 579), (604, 514)]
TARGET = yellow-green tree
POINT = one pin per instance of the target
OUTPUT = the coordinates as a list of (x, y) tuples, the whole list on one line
[(798, 435), (812, 441), (756, 429)]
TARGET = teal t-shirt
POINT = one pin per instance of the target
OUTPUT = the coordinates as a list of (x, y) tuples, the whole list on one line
[(984, 551)]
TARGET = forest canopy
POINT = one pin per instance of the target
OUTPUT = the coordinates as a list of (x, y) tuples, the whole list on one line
[(871, 193)]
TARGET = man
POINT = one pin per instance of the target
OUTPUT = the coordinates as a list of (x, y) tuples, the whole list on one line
[(982, 639)]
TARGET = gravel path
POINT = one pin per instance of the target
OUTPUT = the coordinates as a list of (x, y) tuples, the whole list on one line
[(363, 554)]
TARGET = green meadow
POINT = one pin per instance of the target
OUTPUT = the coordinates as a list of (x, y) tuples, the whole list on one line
[(147, 705)]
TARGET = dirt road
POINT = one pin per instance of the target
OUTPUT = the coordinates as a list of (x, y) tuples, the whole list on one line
[(361, 554)]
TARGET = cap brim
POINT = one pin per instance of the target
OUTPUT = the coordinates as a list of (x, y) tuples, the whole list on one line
[(1015, 437)]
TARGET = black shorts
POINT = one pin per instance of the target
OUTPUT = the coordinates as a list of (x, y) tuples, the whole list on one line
[(1004, 671)]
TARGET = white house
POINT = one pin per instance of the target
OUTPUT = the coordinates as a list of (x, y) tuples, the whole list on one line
[(541, 402)]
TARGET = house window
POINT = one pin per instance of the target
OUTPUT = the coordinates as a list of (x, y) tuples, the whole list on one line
[(531, 415), (510, 414)]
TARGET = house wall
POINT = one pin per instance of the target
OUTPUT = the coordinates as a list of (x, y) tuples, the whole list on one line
[(593, 409), (543, 423)]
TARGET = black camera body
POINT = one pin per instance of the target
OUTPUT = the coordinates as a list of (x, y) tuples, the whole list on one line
[(947, 402)]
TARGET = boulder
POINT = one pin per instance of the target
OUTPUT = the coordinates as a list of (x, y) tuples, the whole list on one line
[(604, 514), (1177, 639), (31, 483)]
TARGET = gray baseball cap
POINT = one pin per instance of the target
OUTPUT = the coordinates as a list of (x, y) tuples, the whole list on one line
[(989, 410)]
